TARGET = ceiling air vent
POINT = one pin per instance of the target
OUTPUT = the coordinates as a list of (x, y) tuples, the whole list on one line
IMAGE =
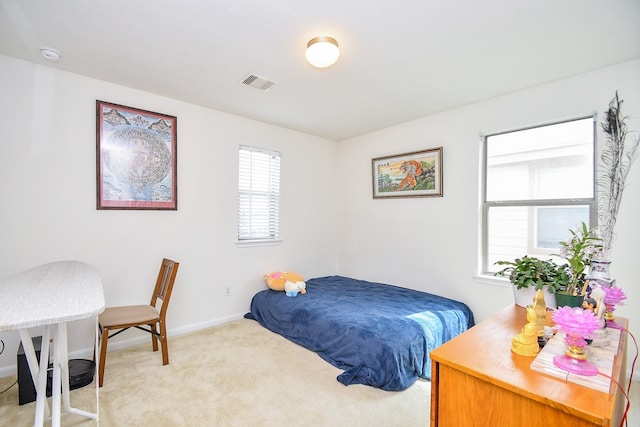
[(257, 82)]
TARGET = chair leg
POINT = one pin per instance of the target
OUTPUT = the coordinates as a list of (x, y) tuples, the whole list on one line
[(103, 354), (164, 343), (154, 337)]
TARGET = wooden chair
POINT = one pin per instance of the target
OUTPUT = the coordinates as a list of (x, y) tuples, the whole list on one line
[(124, 317)]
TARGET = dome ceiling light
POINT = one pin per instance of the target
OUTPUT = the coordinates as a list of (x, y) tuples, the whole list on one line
[(322, 52)]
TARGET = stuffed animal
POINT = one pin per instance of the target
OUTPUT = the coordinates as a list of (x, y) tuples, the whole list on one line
[(291, 289), (287, 281)]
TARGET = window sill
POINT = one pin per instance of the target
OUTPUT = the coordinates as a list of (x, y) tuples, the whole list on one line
[(487, 279), (257, 243)]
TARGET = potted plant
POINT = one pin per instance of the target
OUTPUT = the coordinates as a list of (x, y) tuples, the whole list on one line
[(530, 274), (579, 249)]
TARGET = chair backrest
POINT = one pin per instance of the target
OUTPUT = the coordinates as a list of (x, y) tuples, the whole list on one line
[(164, 284)]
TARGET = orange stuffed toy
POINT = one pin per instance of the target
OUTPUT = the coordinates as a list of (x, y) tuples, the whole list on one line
[(287, 281)]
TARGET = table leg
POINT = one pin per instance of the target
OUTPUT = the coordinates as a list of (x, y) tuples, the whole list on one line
[(59, 342), (64, 372), (64, 365), (96, 357), (60, 384), (41, 384), (32, 361)]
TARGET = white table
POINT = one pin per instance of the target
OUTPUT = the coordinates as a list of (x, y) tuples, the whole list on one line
[(49, 296)]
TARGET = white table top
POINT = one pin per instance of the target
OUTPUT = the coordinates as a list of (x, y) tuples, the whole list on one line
[(51, 293)]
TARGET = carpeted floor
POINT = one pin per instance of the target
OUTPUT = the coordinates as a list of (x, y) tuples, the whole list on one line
[(237, 374)]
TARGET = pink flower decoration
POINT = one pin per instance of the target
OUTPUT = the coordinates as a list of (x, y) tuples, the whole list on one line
[(614, 296), (576, 321)]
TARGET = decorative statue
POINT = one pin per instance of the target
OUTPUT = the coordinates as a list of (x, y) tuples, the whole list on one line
[(526, 342), (540, 309), (595, 303), (598, 295)]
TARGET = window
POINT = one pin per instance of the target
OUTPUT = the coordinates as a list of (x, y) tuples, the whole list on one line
[(258, 194), (539, 183)]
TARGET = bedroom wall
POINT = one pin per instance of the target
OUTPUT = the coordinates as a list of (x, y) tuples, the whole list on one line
[(47, 188), (47, 185), (432, 244)]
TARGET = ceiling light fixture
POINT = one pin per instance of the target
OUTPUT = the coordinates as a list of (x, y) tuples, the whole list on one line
[(322, 52), (50, 54)]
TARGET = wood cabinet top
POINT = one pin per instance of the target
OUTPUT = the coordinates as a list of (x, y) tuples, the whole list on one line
[(484, 352)]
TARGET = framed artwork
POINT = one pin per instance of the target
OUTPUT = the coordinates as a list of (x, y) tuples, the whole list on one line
[(416, 174), (135, 158)]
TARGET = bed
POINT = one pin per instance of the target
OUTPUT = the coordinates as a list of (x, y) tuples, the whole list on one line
[(378, 334)]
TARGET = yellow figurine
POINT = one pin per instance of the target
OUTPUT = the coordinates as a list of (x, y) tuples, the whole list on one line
[(540, 307), (526, 342)]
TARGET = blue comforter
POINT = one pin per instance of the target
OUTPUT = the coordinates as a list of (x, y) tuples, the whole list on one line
[(380, 335)]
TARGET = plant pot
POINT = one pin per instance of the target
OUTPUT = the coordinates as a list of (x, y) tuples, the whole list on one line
[(569, 300), (524, 296)]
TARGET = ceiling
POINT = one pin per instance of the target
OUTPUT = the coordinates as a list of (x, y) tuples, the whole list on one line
[(400, 60)]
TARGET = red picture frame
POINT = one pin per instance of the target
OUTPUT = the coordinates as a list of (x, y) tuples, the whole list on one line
[(136, 158)]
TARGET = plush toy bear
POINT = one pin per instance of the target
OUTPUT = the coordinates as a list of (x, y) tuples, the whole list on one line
[(287, 281)]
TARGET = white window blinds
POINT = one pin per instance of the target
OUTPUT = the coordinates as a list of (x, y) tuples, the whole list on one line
[(258, 194)]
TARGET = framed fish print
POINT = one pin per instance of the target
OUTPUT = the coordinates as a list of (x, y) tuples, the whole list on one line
[(136, 158), (415, 174)]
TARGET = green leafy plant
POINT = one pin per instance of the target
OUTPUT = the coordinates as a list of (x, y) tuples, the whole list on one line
[(531, 271), (579, 249)]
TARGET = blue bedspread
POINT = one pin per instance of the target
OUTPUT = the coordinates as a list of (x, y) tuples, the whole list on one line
[(380, 335)]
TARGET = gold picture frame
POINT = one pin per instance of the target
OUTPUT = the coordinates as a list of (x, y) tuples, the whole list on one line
[(414, 174)]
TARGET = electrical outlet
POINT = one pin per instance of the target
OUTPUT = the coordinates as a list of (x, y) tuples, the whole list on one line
[(227, 289)]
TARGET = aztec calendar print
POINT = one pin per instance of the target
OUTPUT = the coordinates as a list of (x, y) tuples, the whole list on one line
[(138, 161), (137, 156)]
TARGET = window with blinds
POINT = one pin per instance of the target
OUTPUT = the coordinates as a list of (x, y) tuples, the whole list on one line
[(539, 183), (258, 194)]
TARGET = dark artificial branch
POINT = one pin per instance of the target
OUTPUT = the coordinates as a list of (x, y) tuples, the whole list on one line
[(616, 161)]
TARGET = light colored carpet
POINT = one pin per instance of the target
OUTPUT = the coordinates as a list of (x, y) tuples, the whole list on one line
[(237, 374)]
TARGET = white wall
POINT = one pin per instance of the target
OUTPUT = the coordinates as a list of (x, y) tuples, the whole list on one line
[(48, 203), (432, 243)]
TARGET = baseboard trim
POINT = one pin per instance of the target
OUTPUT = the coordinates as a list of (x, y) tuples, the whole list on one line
[(87, 353)]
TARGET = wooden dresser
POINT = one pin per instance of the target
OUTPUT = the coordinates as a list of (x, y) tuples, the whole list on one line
[(477, 381)]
